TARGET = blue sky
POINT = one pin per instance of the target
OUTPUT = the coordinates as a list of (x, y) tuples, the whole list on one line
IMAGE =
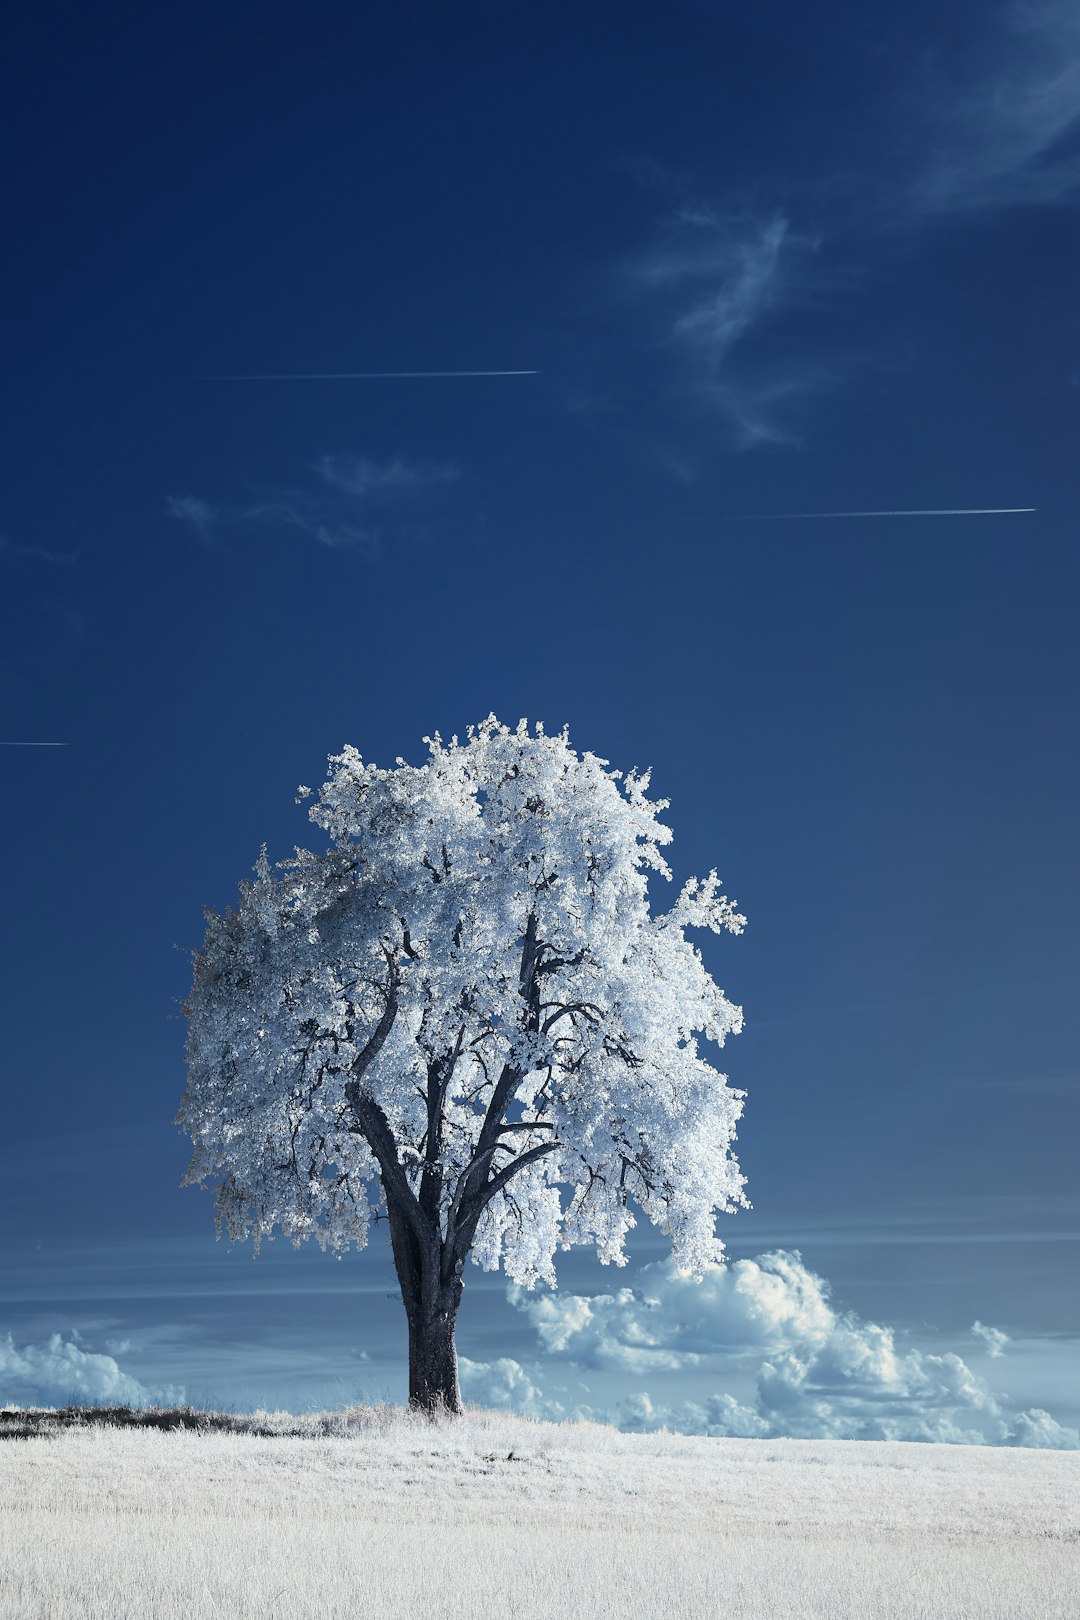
[(763, 262)]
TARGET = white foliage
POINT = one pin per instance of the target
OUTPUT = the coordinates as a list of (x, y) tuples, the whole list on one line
[(485, 914)]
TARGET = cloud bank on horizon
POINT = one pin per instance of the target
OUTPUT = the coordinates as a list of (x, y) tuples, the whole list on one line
[(661, 1354), (819, 1373), (59, 1371)]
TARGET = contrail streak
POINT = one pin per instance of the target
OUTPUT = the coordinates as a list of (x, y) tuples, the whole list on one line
[(32, 745), (354, 376), (928, 511)]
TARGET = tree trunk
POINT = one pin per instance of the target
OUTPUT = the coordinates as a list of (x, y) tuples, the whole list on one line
[(433, 1368), (431, 1307)]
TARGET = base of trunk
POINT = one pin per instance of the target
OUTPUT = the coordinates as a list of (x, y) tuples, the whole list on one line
[(433, 1368)]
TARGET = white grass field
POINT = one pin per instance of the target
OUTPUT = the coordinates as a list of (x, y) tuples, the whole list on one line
[(403, 1519)]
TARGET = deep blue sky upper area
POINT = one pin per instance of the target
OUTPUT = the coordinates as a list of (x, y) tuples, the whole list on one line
[(765, 261)]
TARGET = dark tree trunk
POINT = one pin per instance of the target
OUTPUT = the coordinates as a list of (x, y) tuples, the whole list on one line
[(433, 1368), (431, 1306)]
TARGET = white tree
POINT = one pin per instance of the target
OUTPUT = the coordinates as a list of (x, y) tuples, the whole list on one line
[(464, 1017)]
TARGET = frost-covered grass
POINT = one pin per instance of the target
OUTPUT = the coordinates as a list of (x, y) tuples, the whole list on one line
[(375, 1513)]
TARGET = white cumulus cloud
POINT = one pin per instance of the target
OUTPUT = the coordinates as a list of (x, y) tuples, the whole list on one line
[(671, 1321), (503, 1385), (817, 1372), (994, 1339), (1037, 1428), (58, 1371)]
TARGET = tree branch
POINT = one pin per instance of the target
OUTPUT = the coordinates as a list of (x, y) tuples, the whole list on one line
[(363, 1060), (375, 1128), (505, 1086), (554, 963), (588, 1009), (465, 1211), (509, 1171), (373, 1124), (439, 1075)]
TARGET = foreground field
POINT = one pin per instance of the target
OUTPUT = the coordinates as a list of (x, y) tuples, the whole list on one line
[(494, 1516)]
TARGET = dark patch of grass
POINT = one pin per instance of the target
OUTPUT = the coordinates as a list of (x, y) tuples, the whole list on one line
[(32, 1422)]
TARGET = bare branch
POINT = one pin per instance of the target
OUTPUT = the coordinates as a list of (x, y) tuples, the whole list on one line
[(374, 1126), (372, 1123), (508, 1172), (363, 1060), (554, 963), (588, 1010)]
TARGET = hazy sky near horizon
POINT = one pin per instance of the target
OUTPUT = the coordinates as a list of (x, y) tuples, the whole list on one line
[(739, 264)]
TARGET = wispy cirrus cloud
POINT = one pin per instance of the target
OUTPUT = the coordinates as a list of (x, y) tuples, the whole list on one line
[(197, 514), (724, 274), (712, 284), (361, 477), (347, 502), (52, 615), (994, 124), (1005, 127), (36, 554)]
